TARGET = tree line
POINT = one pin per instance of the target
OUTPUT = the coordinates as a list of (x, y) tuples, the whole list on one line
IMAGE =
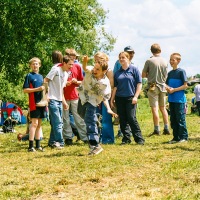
[(32, 28)]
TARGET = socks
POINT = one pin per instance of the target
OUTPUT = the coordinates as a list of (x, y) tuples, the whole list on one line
[(157, 128), (37, 143), (166, 127), (30, 144)]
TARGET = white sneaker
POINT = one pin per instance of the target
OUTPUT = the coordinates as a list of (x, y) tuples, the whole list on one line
[(181, 141), (96, 150)]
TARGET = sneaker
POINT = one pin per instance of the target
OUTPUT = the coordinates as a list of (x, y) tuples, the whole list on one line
[(40, 149), (172, 141), (56, 145), (140, 142), (182, 140), (68, 142), (31, 149), (96, 150), (166, 132), (155, 132)]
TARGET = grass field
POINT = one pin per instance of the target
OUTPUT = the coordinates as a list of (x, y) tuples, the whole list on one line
[(156, 170)]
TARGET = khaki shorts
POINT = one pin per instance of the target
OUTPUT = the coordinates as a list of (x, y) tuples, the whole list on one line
[(156, 97)]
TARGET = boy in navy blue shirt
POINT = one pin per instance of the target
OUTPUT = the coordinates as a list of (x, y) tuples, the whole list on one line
[(33, 86), (176, 86)]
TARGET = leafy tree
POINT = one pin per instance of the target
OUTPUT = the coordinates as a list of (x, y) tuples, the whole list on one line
[(32, 28)]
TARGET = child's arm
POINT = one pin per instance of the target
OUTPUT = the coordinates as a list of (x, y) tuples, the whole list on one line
[(172, 90), (30, 90), (106, 103), (85, 61), (113, 97)]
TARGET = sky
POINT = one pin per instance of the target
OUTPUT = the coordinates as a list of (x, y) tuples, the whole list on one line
[(174, 24)]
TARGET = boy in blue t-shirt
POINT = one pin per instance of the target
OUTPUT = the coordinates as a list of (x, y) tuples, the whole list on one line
[(33, 86), (176, 86)]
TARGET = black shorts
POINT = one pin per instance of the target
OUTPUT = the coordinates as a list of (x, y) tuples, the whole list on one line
[(38, 113)]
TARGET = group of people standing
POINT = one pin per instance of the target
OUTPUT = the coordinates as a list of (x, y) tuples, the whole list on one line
[(77, 91)]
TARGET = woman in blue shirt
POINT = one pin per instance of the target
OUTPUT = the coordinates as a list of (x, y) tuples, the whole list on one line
[(127, 87)]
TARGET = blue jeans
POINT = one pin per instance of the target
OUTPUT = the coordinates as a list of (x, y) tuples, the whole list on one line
[(90, 119), (55, 115), (178, 122)]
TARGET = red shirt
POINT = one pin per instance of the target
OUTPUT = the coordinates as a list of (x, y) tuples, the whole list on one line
[(70, 92)]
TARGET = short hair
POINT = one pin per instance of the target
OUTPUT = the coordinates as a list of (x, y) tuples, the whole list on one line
[(34, 59), (155, 48), (57, 57), (125, 53), (14, 107), (177, 55), (66, 59), (70, 51), (101, 55)]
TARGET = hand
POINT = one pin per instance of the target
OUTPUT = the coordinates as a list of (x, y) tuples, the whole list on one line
[(74, 80), (68, 83), (112, 113), (65, 106), (85, 59), (134, 100), (41, 88), (170, 90)]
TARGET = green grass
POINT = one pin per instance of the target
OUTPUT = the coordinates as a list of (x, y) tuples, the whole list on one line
[(154, 171)]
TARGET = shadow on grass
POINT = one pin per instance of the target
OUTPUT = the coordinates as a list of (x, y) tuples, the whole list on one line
[(172, 147), (62, 153)]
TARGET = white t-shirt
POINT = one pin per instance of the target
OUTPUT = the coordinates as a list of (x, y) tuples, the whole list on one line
[(92, 90), (58, 79)]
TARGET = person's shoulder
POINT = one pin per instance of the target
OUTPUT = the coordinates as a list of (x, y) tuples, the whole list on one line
[(56, 67), (180, 69), (77, 65), (105, 79), (133, 67), (117, 62), (171, 72)]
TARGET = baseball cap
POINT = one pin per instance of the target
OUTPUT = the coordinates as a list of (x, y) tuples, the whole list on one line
[(129, 48)]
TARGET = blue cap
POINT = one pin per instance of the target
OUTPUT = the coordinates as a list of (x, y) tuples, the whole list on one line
[(129, 48)]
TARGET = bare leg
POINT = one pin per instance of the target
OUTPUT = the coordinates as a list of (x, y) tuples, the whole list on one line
[(34, 125), (164, 114), (155, 113)]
